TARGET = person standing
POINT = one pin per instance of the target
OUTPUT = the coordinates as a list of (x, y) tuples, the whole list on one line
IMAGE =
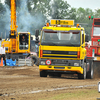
[(0, 52), (0, 46), (3, 54)]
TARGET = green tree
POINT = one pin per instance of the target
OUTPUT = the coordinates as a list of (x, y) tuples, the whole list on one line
[(59, 9), (2, 8), (2, 18), (80, 14), (39, 7), (31, 4), (97, 13), (72, 13), (82, 17), (83, 14), (8, 2), (36, 3)]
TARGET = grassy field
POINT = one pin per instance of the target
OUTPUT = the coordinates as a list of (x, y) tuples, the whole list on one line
[(77, 94)]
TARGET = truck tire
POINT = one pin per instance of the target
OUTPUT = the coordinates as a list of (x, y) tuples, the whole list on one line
[(55, 75), (58, 75), (83, 76), (35, 60), (43, 73), (91, 71)]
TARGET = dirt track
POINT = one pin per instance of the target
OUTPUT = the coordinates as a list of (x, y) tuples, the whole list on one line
[(24, 83)]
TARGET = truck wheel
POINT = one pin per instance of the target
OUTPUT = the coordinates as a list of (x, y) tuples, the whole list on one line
[(55, 75), (43, 73), (83, 76), (58, 75), (51, 75), (90, 72)]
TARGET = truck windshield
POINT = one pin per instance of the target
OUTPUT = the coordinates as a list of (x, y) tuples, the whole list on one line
[(23, 41), (96, 31), (70, 38)]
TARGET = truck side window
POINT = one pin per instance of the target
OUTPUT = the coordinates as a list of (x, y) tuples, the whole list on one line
[(82, 37)]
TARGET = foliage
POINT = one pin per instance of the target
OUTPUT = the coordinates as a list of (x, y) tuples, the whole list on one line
[(97, 13), (72, 14), (2, 14), (38, 12), (59, 9), (2, 9), (82, 18), (18, 3)]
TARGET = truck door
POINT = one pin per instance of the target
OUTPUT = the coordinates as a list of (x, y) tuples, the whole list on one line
[(83, 51)]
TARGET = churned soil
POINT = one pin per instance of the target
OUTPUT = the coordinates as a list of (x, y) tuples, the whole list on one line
[(24, 83)]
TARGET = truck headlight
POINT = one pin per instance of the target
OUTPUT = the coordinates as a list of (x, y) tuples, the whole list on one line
[(76, 64), (42, 62)]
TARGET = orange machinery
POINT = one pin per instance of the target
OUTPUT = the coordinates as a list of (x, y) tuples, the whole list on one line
[(13, 45)]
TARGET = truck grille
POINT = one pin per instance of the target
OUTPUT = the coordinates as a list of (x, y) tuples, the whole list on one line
[(60, 54), (59, 67)]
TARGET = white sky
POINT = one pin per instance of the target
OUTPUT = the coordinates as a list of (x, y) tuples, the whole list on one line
[(2, 1), (92, 4)]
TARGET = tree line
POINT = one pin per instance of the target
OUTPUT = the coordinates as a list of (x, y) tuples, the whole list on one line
[(34, 14)]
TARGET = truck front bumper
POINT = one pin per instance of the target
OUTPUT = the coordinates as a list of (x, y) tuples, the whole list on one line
[(62, 65), (61, 68)]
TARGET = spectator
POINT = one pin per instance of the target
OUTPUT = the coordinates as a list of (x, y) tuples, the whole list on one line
[(3, 54), (0, 52)]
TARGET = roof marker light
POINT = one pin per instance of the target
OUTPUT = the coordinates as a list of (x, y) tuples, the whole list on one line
[(77, 25), (47, 24)]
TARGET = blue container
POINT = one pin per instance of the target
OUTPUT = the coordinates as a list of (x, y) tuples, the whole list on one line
[(10, 62)]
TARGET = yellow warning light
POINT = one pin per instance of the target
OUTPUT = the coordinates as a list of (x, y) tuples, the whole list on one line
[(47, 24), (62, 22)]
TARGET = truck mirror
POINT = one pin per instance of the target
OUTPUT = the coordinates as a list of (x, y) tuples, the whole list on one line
[(37, 38), (0, 38), (36, 33), (86, 38)]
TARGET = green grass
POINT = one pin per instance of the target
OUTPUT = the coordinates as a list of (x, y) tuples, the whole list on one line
[(81, 94)]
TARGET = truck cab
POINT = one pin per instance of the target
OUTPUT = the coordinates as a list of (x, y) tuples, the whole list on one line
[(16, 48), (95, 37), (62, 49)]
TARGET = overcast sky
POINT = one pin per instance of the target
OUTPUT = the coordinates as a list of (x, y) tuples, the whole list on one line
[(93, 4)]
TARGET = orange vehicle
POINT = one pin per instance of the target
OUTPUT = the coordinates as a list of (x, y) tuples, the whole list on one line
[(15, 47)]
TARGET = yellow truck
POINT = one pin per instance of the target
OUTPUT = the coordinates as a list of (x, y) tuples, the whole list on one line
[(62, 50)]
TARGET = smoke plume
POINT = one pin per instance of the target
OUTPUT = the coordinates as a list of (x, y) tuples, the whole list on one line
[(25, 20)]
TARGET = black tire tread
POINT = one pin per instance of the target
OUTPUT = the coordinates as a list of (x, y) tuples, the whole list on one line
[(89, 76), (43, 74), (81, 76)]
